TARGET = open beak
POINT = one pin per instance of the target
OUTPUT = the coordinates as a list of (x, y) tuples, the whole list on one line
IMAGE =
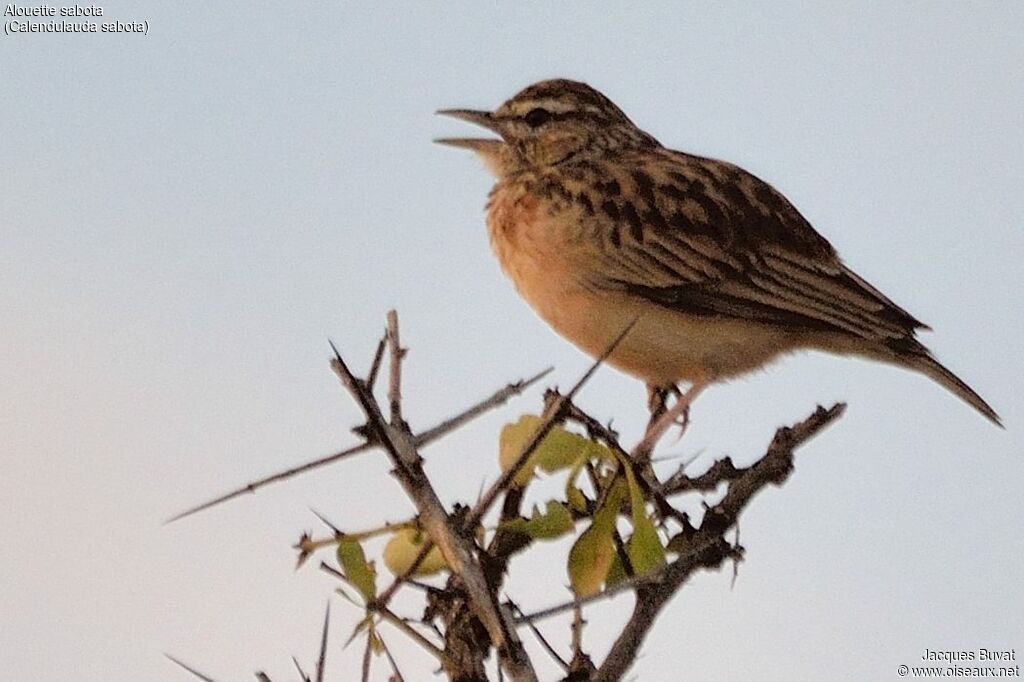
[(484, 119)]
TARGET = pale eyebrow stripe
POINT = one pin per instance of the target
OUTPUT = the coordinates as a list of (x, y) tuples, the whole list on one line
[(552, 104)]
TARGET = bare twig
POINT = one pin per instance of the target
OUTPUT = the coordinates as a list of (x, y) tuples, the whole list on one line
[(367, 655), (735, 562), (425, 438), (581, 667), (397, 677), (302, 673), (395, 371), (274, 478), (406, 629), (497, 399), (378, 355), (307, 544), (543, 640), (577, 631), (189, 669), (457, 550), (721, 470)]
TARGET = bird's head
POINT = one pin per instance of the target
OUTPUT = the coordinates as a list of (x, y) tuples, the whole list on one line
[(549, 123)]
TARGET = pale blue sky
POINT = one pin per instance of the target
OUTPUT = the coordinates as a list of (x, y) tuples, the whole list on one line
[(188, 215)]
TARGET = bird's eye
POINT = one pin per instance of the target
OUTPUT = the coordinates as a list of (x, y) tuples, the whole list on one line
[(537, 117)]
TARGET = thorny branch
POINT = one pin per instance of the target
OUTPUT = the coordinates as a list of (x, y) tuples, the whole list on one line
[(709, 542), (472, 617), (424, 438), (458, 549)]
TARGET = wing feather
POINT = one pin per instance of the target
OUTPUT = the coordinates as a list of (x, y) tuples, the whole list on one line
[(718, 241)]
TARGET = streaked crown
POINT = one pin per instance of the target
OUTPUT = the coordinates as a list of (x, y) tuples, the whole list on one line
[(549, 123)]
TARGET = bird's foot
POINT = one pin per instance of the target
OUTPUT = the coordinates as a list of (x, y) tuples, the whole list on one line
[(657, 399), (678, 414), (682, 421)]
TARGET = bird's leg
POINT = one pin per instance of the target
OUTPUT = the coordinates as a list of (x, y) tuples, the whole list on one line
[(657, 399), (684, 419), (679, 410), (657, 405)]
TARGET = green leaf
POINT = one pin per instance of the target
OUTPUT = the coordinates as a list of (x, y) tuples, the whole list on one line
[(644, 547), (376, 645), (589, 560), (576, 499), (357, 569), (592, 555), (616, 573), (554, 522), (560, 449)]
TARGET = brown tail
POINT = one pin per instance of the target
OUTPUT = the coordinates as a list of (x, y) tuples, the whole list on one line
[(926, 364)]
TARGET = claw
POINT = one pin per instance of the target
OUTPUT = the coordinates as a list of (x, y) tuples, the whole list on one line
[(679, 410), (682, 421)]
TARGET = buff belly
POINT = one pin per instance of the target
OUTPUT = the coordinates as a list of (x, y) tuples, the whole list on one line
[(663, 347), (548, 264)]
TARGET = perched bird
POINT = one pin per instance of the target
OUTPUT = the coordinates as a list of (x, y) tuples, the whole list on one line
[(598, 225)]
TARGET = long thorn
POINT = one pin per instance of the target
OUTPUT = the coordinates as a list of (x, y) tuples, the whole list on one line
[(322, 660), (390, 617), (189, 669), (425, 438), (391, 659), (274, 478), (366, 655), (543, 640), (302, 673), (334, 529), (371, 378)]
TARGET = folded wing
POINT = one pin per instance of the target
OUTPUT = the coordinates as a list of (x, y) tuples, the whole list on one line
[(707, 238)]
